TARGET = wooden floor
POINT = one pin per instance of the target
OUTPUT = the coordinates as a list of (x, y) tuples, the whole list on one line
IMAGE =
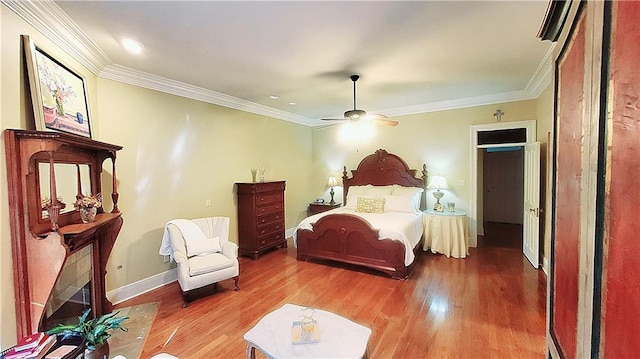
[(489, 305)]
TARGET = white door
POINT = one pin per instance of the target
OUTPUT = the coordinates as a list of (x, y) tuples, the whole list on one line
[(531, 216)]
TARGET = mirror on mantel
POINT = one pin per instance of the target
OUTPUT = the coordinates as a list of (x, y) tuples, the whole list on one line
[(71, 180)]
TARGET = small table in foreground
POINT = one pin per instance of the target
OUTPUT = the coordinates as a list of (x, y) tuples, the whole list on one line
[(339, 337)]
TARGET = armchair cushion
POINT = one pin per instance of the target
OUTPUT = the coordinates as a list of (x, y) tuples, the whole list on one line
[(208, 263), (203, 246)]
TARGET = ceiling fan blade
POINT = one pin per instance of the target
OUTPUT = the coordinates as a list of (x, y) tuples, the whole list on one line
[(333, 119), (386, 122), (375, 116), (381, 119)]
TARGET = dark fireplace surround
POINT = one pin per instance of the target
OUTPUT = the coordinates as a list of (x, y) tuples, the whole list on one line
[(43, 243)]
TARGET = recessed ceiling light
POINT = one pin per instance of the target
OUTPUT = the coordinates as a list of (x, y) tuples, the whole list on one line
[(274, 97), (132, 46), (292, 103)]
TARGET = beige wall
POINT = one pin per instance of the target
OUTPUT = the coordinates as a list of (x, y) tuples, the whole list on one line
[(177, 154)]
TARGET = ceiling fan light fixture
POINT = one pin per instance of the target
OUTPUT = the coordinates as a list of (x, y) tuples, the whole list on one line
[(357, 115), (354, 114)]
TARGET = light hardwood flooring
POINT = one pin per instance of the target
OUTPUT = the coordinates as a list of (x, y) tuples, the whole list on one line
[(489, 305)]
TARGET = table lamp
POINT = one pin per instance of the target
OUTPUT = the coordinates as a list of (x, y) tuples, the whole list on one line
[(331, 183), (438, 183)]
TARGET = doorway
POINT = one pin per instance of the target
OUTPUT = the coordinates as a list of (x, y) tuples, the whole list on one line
[(502, 195), (476, 215)]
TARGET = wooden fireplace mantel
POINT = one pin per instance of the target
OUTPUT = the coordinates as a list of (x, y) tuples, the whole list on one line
[(41, 244)]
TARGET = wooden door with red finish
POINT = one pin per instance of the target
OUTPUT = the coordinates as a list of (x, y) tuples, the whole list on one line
[(594, 298), (621, 246)]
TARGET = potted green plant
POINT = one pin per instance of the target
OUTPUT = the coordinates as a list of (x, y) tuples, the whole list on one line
[(96, 331)]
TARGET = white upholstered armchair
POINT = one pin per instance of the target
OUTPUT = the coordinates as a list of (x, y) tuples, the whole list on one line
[(203, 253)]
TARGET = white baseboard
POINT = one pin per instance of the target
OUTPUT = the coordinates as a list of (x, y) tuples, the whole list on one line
[(134, 289)]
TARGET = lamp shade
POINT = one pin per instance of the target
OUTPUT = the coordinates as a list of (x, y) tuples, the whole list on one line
[(438, 182), (332, 181)]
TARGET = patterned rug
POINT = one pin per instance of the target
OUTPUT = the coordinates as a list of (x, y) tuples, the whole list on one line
[(130, 343)]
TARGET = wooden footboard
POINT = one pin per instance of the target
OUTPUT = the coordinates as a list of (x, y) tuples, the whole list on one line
[(350, 239)]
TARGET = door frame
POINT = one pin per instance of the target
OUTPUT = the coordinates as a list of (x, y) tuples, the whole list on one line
[(529, 126)]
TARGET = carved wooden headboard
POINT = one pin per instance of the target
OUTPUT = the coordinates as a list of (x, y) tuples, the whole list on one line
[(382, 169)]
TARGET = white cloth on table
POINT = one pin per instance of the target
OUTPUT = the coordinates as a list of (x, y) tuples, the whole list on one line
[(405, 227), (446, 233), (339, 337)]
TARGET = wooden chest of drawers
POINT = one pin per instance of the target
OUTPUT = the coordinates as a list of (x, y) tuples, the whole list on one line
[(260, 217)]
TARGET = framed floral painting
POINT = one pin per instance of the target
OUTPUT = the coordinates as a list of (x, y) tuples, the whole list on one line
[(58, 93)]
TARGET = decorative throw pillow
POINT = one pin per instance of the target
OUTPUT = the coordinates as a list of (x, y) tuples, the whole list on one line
[(203, 247), (370, 205)]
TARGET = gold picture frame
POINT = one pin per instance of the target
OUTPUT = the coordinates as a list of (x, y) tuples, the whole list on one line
[(58, 94)]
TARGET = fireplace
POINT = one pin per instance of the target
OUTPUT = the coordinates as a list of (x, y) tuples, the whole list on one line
[(72, 292), (59, 263)]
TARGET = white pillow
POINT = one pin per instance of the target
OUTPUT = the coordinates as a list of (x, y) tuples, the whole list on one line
[(400, 203), (358, 190), (203, 247), (416, 192), (397, 189), (379, 191)]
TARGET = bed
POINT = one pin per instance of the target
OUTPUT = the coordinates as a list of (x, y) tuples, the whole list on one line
[(387, 241)]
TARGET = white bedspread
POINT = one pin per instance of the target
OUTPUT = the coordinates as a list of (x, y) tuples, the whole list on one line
[(402, 226)]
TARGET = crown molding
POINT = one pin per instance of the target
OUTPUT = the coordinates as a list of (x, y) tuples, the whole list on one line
[(460, 103), (541, 79), (49, 19), (143, 79)]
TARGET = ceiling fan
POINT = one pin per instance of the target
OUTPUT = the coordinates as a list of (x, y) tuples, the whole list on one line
[(361, 115)]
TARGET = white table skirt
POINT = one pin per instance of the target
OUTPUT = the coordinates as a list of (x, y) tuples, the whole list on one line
[(339, 337), (446, 233)]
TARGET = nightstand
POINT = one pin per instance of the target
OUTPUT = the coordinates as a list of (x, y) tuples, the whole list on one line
[(315, 208), (446, 232)]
